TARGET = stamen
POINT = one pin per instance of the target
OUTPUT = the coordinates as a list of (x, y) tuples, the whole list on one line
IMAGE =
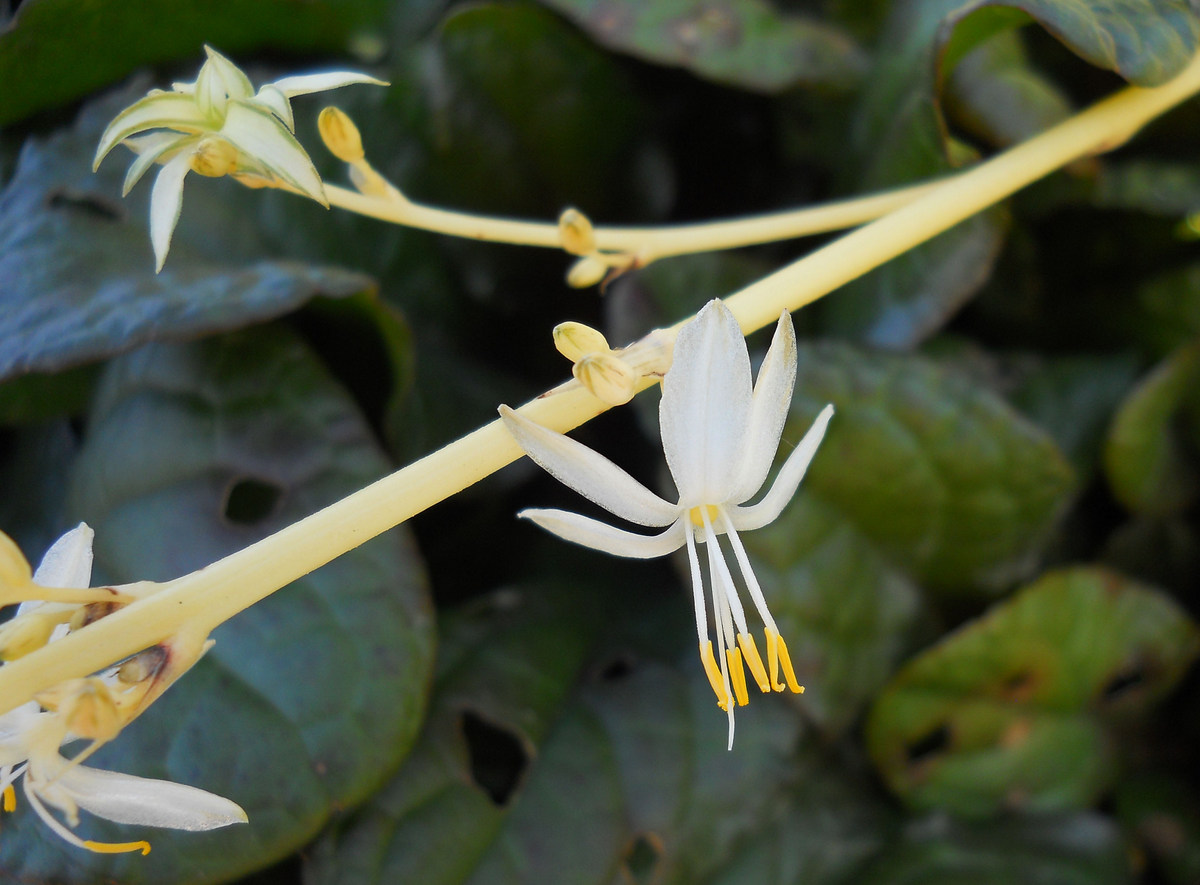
[(786, 660), (116, 847), (773, 658), (737, 676), (714, 674), (753, 661), (10, 798)]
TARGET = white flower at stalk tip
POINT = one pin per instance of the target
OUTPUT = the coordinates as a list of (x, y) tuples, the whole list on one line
[(719, 435), (217, 126), (31, 737)]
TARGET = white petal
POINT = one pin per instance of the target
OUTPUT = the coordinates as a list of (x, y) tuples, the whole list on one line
[(237, 84), (277, 103), (68, 562), (165, 202), (150, 148), (705, 406), (768, 509), (162, 111), (127, 799), (308, 83), (768, 410), (606, 538), (263, 139), (210, 92), (589, 473)]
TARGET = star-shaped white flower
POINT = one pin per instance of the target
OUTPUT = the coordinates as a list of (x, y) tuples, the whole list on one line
[(217, 126), (720, 435), (31, 737)]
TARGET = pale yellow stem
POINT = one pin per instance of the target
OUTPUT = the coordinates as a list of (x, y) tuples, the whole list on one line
[(210, 596), (645, 244)]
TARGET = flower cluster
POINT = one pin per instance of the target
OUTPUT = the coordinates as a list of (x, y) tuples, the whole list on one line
[(94, 709), (215, 126), (720, 434)]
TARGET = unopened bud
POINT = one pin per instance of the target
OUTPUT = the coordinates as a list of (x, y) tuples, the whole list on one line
[(575, 341), (607, 377), (214, 157), (88, 707), (575, 232), (587, 271), (15, 572), (91, 612), (142, 666), (340, 135), (25, 633)]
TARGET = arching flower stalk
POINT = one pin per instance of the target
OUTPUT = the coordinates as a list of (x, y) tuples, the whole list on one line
[(720, 434)]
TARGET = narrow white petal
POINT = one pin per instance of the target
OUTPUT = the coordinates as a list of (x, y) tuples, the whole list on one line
[(606, 538), (308, 83), (768, 410), (277, 103), (588, 472), (237, 84), (706, 406), (165, 202), (128, 799), (68, 562), (162, 111), (150, 148), (209, 90), (768, 509), (261, 136)]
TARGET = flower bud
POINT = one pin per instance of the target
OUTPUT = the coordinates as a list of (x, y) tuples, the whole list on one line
[(88, 707), (214, 157), (607, 377), (587, 271), (15, 572), (575, 341), (575, 232), (340, 135), (25, 633)]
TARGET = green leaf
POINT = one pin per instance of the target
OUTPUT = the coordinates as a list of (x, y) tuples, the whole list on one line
[(79, 275), (743, 43), (1162, 816), (940, 474), (1015, 710), (1169, 305), (309, 698), (53, 51), (1148, 465), (624, 765), (1075, 849)]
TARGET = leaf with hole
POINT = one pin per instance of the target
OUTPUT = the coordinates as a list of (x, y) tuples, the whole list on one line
[(1015, 710), (309, 698)]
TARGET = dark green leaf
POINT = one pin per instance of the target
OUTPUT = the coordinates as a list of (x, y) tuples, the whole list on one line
[(1162, 815), (1013, 710), (743, 43), (309, 698)]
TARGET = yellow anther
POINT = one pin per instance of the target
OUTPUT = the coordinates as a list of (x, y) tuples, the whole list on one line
[(773, 658), (10, 798), (714, 674), (214, 157), (117, 847), (737, 675), (575, 232), (696, 514), (753, 661), (576, 340), (340, 135), (786, 660), (607, 377), (587, 271)]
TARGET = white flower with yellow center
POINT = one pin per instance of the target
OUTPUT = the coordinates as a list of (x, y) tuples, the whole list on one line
[(32, 734), (719, 434), (218, 126)]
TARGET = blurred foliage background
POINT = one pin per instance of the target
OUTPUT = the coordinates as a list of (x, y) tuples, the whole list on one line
[(988, 580)]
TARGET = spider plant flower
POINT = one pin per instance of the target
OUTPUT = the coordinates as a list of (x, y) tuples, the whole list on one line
[(719, 435), (218, 126), (96, 709)]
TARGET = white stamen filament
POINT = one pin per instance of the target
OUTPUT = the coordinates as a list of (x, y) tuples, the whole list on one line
[(747, 571)]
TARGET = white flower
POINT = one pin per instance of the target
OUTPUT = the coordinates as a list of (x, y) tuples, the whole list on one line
[(217, 126), (31, 737), (720, 436)]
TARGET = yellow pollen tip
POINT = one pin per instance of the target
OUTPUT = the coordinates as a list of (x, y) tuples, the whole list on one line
[(786, 660), (737, 675), (753, 661), (714, 674), (697, 514), (117, 847), (773, 659), (10, 798)]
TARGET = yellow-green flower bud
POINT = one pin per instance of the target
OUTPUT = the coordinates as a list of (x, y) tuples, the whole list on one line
[(575, 341), (587, 271), (340, 135), (24, 634), (575, 232), (607, 377)]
